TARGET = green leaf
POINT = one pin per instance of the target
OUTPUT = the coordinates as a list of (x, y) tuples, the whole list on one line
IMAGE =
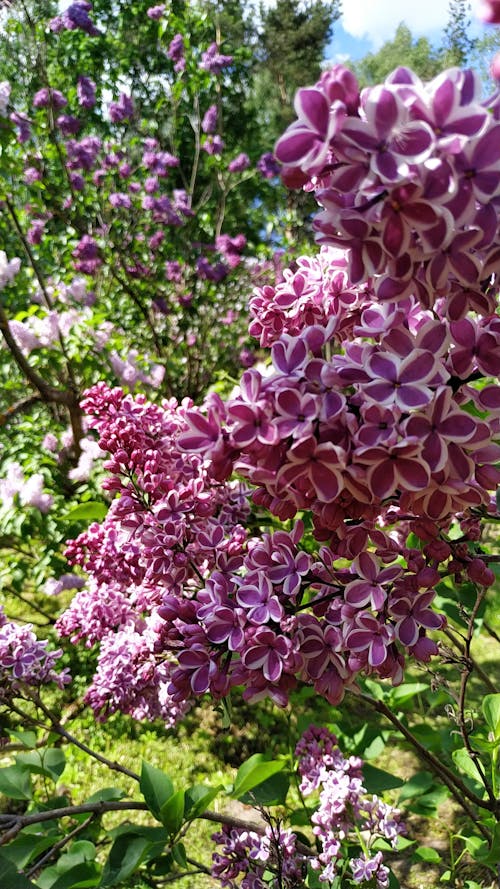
[(26, 847), (403, 693), (426, 853), (106, 794), (272, 792), (418, 784), (255, 771), (27, 739), (81, 876), (50, 762), (156, 788), (198, 798), (10, 878), (172, 812), (467, 765), (491, 712), (377, 780), (179, 854), (125, 856), (15, 782), (92, 510)]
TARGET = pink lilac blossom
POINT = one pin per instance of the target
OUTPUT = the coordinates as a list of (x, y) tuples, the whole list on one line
[(370, 418)]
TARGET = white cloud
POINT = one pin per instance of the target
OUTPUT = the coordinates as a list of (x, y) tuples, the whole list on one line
[(377, 20)]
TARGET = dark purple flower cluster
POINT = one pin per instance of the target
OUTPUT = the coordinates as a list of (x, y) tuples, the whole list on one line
[(86, 254), (122, 110), (86, 92), (47, 97), (76, 16)]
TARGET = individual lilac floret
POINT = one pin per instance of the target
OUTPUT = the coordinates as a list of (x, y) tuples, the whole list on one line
[(85, 91), (4, 96), (239, 163), (213, 61), (47, 96), (209, 122), (121, 110)]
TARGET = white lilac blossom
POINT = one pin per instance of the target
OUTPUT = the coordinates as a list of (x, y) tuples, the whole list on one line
[(29, 490), (8, 269), (5, 89)]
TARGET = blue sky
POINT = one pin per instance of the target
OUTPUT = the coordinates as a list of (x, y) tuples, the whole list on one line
[(367, 24)]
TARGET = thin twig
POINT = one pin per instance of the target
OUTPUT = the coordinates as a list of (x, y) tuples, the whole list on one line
[(456, 786)]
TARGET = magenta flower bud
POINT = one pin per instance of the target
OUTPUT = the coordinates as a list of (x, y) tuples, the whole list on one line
[(479, 572)]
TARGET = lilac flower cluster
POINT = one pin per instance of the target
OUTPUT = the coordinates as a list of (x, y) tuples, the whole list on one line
[(24, 659), (76, 17), (378, 418), (346, 815), (121, 110), (86, 92), (408, 176), (9, 268), (213, 61), (265, 860), (152, 548), (28, 490), (345, 810)]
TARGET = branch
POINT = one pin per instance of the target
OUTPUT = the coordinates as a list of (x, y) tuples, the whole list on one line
[(60, 845), (455, 785), (18, 407), (48, 393), (63, 733)]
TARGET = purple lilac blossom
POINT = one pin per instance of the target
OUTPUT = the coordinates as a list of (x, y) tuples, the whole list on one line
[(209, 121), (213, 61), (121, 110), (86, 90), (240, 163)]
